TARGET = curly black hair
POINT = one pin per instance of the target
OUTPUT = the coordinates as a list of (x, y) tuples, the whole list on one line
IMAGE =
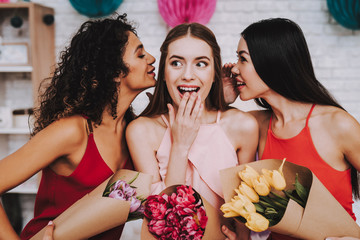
[(83, 81)]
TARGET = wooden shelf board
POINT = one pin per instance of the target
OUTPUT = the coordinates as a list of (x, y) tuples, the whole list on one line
[(16, 68), (14, 131)]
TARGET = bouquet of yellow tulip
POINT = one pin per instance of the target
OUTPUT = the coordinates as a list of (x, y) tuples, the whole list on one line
[(285, 198), (256, 204)]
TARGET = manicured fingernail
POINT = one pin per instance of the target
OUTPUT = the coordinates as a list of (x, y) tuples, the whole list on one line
[(50, 223)]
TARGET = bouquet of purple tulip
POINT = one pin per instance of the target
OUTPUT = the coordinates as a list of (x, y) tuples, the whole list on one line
[(116, 201), (124, 191)]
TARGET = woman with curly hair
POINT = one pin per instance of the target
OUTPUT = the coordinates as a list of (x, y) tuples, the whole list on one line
[(78, 140)]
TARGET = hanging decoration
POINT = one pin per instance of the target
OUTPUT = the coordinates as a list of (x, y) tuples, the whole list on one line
[(176, 12), (96, 8), (345, 12)]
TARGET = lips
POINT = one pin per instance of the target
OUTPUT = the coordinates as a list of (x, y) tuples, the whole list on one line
[(239, 83), (186, 88), (151, 72)]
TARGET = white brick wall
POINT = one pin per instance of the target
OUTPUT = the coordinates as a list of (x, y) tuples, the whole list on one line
[(335, 50)]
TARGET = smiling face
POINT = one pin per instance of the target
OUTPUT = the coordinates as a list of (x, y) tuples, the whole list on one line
[(249, 84), (189, 67), (141, 72)]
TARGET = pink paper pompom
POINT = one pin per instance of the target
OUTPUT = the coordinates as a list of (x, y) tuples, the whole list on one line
[(176, 12)]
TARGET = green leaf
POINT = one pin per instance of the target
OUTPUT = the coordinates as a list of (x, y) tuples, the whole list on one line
[(292, 195), (273, 202), (265, 204), (283, 200), (259, 208), (301, 190), (132, 180), (271, 213)]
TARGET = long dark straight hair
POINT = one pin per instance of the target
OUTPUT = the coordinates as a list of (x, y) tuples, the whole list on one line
[(281, 58), (215, 99)]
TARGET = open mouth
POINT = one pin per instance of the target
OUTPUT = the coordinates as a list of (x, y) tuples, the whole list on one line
[(183, 89), (239, 84)]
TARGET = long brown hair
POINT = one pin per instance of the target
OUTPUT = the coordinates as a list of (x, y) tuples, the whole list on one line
[(215, 99)]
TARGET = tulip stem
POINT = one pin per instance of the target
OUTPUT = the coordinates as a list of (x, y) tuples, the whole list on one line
[(301, 203)]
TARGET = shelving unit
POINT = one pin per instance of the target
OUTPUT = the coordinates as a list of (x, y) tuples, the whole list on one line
[(39, 38)]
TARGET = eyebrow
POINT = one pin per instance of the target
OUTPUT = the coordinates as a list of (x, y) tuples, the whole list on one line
[(241, 52), (197, 58), (139, 47)]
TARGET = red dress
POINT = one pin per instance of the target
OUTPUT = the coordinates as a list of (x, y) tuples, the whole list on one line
[(56, 193), (301, 150)]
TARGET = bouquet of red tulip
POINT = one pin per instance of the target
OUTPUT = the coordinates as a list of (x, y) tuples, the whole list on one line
[(180, 215), (179, 212)]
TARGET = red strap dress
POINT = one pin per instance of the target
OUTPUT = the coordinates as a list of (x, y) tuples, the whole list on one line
[(56, 192), (301, 150)]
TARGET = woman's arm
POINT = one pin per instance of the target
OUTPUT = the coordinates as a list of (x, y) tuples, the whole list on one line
[(349, 130), (144, 136), (61, 138), (184, 125), (243, 131)]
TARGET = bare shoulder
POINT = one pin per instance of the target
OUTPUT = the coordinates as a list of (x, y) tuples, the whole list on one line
[(145, 128), (336, 120), (70, 130), (145, 123), (262, 116), (239, 121)]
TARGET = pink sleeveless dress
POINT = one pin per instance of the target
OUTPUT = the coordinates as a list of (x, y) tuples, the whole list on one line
[(210, 152)]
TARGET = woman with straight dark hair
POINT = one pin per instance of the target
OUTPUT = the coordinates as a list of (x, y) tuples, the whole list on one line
[(188, 133), (301, 122)]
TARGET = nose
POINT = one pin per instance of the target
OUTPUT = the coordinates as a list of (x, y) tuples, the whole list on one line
[(151, 59), (188, 73), (235, 70)]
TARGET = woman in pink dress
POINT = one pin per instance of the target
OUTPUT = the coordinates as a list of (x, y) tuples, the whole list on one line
[(187, 133)]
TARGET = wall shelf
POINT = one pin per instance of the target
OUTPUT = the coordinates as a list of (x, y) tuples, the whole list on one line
[(16, 68), (14, 131)]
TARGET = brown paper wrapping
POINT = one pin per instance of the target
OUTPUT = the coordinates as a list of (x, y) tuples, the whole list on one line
[(213, 226), (323, 215), (94, 214)]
